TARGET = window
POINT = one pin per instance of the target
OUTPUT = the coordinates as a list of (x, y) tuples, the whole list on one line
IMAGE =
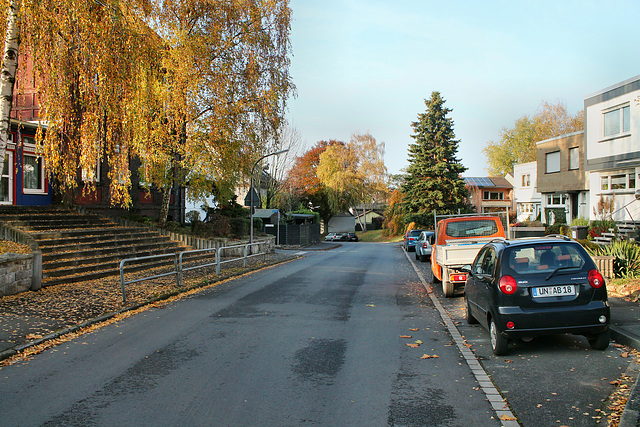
[(552, 162), (556, 199), (574, 158), (616, 121), (33, 174), (619, 181), (526, 180), (91, 175), (493, 195)]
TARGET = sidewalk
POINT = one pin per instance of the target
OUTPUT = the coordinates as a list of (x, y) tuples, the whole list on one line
[(625, 329)]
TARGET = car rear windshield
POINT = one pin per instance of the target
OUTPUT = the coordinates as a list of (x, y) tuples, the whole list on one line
[(475, 228), (543, 258), (415, 233)]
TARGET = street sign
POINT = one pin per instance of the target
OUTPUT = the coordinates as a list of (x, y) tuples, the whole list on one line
[(256, 199)]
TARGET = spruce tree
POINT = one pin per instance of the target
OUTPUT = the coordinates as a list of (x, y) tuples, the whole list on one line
[(433, 179)]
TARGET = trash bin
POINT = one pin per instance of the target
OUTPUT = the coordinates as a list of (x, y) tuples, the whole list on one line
[(579, 232)]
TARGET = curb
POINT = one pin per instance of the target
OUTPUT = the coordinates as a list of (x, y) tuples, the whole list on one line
[(624, 337), (54, 335), (631, 413)]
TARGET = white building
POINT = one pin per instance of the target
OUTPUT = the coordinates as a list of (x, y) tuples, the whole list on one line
[(525, 191), (612, 147)]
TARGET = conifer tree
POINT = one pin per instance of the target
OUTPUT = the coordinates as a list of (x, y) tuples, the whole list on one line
[(433, 179)]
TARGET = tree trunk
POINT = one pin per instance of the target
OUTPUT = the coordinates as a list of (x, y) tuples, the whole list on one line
[(164, 210), (8, 76)]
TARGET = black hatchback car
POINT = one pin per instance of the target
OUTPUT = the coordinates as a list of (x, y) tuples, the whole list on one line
[(522, 288)]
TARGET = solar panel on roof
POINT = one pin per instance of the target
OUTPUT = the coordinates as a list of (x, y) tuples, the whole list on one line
[(479, 182)]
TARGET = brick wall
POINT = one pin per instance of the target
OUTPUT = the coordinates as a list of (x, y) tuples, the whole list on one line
[(16, 271)]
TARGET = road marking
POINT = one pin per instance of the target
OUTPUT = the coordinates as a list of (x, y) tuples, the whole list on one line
[(498, 403), (300, 253)]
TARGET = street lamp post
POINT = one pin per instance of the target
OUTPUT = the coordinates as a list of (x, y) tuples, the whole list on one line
[(251, 191)]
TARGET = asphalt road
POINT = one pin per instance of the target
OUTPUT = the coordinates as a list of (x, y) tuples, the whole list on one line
[(316, 341)]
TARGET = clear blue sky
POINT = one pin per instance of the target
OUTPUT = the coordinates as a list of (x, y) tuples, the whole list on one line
[(367, 65)]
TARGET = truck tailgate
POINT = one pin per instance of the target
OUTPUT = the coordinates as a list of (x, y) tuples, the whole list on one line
[(457, 254)]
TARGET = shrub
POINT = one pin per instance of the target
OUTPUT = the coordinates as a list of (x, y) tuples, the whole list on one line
[(626, 263), (193, 216), (579, 222)]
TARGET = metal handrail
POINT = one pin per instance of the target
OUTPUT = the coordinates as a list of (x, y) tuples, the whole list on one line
[(178, 263)]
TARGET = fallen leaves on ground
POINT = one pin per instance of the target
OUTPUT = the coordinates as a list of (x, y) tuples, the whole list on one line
[(405, 336), (413, 345), (62, 306), (426, 356), (7, 246)]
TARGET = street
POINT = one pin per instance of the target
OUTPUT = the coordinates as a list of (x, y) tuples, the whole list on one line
[(342, 337)]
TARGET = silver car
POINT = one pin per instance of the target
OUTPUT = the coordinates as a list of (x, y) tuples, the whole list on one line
[(423, 245)]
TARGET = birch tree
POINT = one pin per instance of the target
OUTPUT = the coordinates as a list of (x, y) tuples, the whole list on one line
[(191, 87), (9, 69)]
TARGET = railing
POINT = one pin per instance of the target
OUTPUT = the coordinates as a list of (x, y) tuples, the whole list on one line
[(179, 267)]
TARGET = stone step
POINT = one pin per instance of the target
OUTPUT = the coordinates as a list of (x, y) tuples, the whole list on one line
[(119, 250), (97, 239), (73, 245), (63, 234)]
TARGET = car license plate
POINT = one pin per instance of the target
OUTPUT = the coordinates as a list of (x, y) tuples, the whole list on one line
[(553, 291)]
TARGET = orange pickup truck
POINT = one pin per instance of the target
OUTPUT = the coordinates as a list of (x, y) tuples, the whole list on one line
[(457, 241)]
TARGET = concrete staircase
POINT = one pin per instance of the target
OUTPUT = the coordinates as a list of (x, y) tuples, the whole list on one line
[(78, 247), (627, 230)]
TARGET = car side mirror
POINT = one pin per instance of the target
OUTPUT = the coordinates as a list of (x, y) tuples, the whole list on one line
[(465, 269)]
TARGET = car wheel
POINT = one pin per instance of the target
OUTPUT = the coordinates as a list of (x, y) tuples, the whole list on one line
[(499, 344), (470, 319), (600, 341), (423, 258), (417, 256)]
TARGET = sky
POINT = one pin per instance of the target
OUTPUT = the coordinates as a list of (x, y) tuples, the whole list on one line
[(368, 65)]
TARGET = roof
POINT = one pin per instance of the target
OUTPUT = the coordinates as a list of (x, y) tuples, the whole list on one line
[(264, 213), (488, 182)]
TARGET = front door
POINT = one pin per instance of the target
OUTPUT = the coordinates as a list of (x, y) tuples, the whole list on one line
[(6, 180)]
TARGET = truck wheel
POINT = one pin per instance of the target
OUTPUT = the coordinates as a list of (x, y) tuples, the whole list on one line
[(447, 286)]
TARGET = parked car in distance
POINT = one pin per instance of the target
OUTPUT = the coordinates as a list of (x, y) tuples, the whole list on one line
[(330, 237), (522, 288), (423, 245), (410, 237), (352, 237)]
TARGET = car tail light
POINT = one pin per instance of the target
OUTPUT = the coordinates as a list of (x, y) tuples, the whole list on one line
[(595, 279), (508, 285), (458, 277)]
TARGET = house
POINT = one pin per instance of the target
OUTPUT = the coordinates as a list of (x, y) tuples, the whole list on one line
[(525, 191), (561, 178), (342, 222), (612, 148), (490, 194), (25, 180), (367, 218)]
